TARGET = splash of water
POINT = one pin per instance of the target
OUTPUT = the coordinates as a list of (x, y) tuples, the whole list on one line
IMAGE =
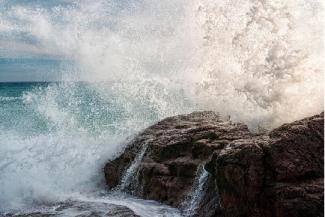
[(258, 61), (262, 59)]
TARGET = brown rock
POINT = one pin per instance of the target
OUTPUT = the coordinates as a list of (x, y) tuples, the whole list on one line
[(177, 146), (277, 174)]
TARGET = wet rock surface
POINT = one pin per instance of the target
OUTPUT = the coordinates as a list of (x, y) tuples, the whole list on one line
[(177, 146), (77, 208), (276, 174)]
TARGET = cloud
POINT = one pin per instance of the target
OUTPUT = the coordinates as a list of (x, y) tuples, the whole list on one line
[(16, 49)]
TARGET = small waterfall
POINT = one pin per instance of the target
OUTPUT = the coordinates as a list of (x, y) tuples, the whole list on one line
[(197, 193), (129, 179)]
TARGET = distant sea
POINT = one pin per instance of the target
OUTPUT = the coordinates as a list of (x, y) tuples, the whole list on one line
[(30, 69)]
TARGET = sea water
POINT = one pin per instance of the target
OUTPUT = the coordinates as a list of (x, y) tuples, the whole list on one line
[(55, 139)]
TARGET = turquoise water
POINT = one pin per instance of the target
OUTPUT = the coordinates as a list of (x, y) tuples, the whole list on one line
[(22, 111), (28, 108), (15, 113), (30, 69)]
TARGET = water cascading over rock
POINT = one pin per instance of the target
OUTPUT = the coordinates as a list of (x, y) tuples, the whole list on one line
[(199, 189)]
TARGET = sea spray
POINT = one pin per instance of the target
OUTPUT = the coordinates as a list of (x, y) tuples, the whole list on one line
[(53, 133), (261, 59)]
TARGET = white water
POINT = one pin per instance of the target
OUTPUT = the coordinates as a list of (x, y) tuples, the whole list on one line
[(259, 61), (81, 205), (129, 179), (143, 208), (197, 193)]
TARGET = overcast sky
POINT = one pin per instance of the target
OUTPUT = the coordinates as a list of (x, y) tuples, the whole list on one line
[(23, 55)]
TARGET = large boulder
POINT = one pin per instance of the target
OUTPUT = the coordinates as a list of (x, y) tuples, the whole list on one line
[(174, 149), (280, 174), (276, 174)]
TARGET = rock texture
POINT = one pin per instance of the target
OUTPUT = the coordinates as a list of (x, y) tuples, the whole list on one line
[(276, 174), (280, 174), (176, 147)]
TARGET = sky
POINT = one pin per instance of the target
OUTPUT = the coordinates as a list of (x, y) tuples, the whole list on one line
[(26, 50), (21, 59)]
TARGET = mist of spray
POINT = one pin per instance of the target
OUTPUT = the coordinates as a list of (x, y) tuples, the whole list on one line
[(259, 60)]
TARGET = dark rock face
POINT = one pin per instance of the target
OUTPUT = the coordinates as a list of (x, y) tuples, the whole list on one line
[(276, 174), (280, 174), (177, 146)]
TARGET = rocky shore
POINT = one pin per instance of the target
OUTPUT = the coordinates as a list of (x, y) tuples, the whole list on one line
[(208, 167), (76, 208)]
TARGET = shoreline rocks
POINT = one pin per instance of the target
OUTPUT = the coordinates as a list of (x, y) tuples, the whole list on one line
[(280, 174), (177, 146), (76, 208), (277, 174)]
